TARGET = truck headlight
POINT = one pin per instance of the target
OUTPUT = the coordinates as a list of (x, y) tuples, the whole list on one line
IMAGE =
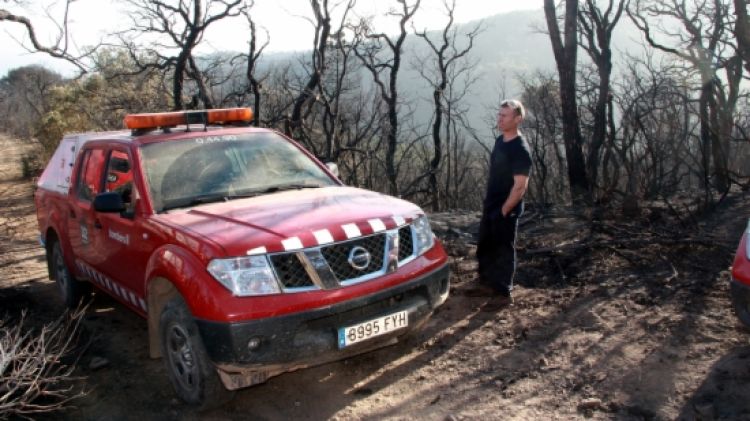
[(423, 238), (245, 276)]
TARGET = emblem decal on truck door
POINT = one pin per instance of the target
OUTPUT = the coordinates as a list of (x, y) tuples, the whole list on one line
[(84, 234), (120, 238)]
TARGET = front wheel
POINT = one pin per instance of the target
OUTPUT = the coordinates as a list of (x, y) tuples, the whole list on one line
[(72, 291), (191, 372)]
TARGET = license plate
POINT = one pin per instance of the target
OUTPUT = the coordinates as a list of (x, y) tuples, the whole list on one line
[(363, 331)]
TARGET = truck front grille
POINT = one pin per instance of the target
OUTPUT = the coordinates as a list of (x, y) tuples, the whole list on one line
[(337, 256), (329, 266), (405, 243), (290, 271)]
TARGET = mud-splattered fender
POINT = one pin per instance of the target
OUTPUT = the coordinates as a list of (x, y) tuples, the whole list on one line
[(173, 270), (52, 217)]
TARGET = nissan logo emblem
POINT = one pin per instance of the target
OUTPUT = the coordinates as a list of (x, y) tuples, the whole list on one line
[(359, 258)]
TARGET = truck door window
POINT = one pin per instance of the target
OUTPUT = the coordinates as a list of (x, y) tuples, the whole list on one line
[(120, 178), (90, 179)]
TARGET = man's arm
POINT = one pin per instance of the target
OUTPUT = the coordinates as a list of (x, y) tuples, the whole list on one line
[(520, 184)]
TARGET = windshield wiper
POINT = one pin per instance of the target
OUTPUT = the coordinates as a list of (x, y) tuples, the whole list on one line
[(272, 189), (197, 200), (285, 187), (212, 198)]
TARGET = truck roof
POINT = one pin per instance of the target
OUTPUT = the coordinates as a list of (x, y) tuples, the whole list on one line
[(57, 174)]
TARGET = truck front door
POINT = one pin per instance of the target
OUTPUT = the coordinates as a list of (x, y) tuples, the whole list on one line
[(125, 242), (105, 244)]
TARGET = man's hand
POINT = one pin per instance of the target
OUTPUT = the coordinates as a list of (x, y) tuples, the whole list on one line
[(520, 184), (505, 212)]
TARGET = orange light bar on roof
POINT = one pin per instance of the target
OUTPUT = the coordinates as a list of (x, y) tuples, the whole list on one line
[(175, 118)]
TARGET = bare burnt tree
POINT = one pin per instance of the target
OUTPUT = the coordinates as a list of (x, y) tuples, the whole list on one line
[(177, 25), (251, 71), (741, 144), (655, 152), (34, 376), (447, 53), (219, 78), (703, 45), (61, 48), (357, 157), (322, 26), (596, 25), (381, 55), (463, 174), (742, 31), (541, 97), (336, 88), (565, 49), (278, 95)]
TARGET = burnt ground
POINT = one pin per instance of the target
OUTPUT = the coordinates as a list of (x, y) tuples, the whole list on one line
[(615, 317)]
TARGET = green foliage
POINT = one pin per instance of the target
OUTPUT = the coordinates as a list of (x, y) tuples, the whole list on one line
[(99, 101), (30, 166), (23, 98)]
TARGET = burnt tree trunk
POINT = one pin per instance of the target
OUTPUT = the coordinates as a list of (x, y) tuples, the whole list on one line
[(446, 57), (742, 31), (322, 33), (203, 93), (178, 80), (566, 59), (253, 55), (375, 64), (596, 30)]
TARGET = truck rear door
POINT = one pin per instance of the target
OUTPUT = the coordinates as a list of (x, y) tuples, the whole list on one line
[(82, 222)]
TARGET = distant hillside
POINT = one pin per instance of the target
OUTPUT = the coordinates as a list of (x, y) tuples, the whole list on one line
[(511, 46)]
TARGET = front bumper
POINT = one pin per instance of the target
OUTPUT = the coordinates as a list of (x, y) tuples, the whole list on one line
[(303, 339)]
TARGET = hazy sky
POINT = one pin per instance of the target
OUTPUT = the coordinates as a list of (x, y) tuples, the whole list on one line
[(91, 20)]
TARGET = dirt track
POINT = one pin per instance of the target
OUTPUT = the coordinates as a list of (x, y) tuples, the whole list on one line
[(641, 332)]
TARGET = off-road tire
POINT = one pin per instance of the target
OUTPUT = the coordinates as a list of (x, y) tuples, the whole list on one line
[(741, 303), (71, 290), (193, 376)]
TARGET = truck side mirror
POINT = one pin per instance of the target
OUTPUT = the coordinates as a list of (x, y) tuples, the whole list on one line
[(332, 167), (109, 202)]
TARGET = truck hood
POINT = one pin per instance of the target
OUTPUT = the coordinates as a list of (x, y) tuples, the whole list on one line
[(292, 219)]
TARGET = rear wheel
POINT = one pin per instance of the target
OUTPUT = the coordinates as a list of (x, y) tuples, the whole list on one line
[(741, 303), (71, 290), (191, 372)]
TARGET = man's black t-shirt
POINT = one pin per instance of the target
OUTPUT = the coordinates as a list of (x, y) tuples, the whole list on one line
[(507, 159)]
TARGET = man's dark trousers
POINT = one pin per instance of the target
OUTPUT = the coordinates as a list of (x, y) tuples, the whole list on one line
[(496, 250)]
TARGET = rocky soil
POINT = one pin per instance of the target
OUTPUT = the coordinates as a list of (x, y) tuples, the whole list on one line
[(615, 317)]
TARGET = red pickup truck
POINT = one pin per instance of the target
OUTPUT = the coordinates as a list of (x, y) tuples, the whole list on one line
[(245, 254)]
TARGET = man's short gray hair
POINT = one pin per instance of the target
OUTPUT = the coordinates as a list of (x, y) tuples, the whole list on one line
[(514, 105)]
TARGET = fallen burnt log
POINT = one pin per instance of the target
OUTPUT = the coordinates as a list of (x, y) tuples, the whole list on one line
[(625, 243)]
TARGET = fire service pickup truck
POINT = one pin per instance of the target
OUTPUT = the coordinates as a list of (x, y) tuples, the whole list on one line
[(246, 256)]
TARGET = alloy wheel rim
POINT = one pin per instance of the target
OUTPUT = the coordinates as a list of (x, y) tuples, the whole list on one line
[(181, 357), (62, 273)]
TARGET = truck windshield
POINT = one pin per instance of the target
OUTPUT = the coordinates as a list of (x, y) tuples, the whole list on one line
[(215, 168)]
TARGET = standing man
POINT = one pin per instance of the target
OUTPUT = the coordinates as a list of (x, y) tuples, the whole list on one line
[(510, 165)]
